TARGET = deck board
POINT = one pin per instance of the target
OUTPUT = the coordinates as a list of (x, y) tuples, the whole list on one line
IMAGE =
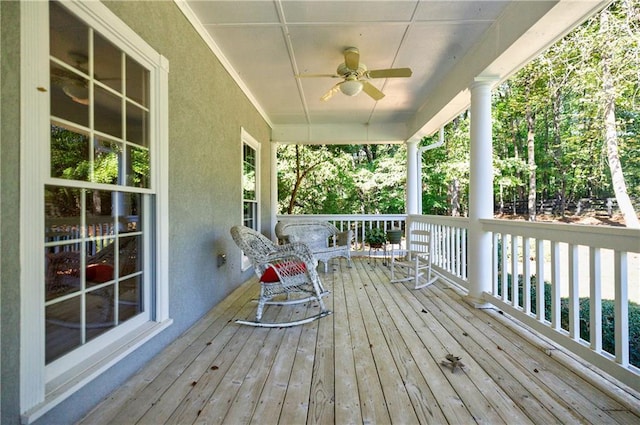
[(376, 359)]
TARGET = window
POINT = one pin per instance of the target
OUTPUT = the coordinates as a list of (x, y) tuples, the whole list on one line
[(94, 201), (96, 270), (250, 184), (250, 180)]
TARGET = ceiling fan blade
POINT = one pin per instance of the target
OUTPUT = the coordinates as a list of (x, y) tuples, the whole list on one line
[(318, 76), (389, 73), (352, 58), (328, 95), (372, 90)]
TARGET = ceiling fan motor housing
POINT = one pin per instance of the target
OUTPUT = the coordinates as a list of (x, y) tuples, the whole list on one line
[(344, 71)]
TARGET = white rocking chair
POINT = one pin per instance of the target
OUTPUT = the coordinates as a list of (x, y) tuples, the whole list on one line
[(285, 271), (414, 263)]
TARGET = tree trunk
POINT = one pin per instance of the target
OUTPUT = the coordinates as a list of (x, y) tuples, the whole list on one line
[(296, 185), (611, 137), (300, 175), (531, 161), (454, 197)]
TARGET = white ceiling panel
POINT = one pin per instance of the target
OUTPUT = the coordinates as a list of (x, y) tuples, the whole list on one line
[(265, 43)]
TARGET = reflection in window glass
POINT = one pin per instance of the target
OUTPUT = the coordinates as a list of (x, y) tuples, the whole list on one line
[(137, 82), (100, 307), (107, 160), (69, 95), (107, 113), (130, 255), (99, 213), (129, 219), (249, 173), (63, 331), (138, 167), (68, 38), (107, 66), (136, 125), (130, 298), (249, 187), (69, 154), (62, 270)]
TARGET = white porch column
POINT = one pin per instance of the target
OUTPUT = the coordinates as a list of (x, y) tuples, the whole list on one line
[(480, 190), (412, 177), (273, 203)]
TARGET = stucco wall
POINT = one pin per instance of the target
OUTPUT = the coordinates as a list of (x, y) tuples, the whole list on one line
[(9, 213), (206, 112)]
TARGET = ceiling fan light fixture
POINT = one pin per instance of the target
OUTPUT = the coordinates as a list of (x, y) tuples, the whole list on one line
[(77, 93), (351, 87)]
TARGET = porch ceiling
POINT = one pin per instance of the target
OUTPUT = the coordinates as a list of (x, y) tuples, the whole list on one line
[(265, 44)]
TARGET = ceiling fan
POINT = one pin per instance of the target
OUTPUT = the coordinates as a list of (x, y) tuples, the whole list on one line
[(355, 75), (72, 84)]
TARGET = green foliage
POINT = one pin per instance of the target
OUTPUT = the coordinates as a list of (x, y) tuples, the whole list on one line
[(608, 317), (375, 236), (341, 179), (561, 91)]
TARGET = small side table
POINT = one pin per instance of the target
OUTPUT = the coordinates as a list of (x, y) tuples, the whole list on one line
[(387, 259), (377, 249)]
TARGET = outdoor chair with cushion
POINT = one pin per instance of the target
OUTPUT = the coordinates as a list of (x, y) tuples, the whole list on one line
[(323, 238), (287, 275)]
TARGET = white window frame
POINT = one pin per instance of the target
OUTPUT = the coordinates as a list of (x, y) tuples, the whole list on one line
[(42, 387), (249, 140)]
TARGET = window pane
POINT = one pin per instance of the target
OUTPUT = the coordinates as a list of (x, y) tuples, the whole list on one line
[(63, 224), (107, 157), (69, 95), (137, 82), (100, 306), (137, 125), (249, 173), (250, 214), (68, 38), (107, 63), (63, 207), (100, 212), (131, 207), (130, 255), (63, 332), (249, 184), (107, 112), (138, 167), (130, 298), (62, 271), (69, 154)]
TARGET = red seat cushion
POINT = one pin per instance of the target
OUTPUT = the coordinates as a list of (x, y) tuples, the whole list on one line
[(99, 272), (270, 275)]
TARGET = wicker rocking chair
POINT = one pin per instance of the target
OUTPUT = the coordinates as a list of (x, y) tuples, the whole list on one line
[(287, 275)]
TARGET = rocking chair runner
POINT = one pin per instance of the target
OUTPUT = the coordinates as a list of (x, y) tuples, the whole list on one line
[(414, 263), (284, 270)]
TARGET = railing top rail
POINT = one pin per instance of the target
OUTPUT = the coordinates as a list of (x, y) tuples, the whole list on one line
[(616, 238), (352, 217), (461, 222)]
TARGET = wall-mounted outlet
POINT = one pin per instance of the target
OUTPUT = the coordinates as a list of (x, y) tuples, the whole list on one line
[(222, 260)]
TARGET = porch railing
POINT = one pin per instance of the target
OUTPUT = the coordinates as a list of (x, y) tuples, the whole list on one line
[(595, 267), (359, 224), (563, 280)]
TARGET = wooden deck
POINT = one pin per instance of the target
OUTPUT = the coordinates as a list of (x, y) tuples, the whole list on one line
[(376, 360)]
